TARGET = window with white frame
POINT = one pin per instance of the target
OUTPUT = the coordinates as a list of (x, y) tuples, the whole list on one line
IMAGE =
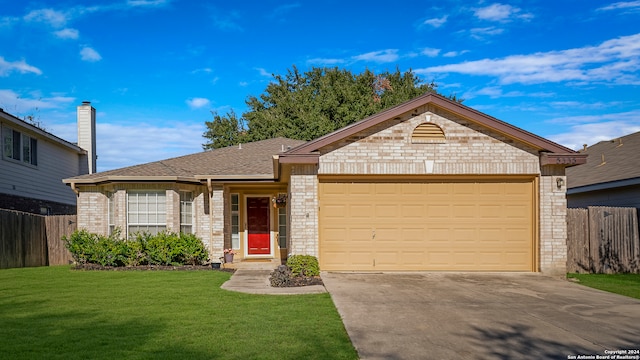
[(146, 211), (186, 212), (19, 146), (282, 227), (112, 213), (235, 221)]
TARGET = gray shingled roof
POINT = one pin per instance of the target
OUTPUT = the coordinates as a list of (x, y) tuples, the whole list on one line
[(248, 159), (621, 162)]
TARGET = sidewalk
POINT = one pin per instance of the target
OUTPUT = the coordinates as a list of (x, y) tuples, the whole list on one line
[(257, 282)]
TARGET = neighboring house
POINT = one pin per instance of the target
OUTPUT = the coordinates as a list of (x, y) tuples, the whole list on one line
[(35, 161), (611, 176), (427, 185)]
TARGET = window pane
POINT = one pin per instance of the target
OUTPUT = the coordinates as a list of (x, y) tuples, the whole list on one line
[(26, 149), (34, 151), (7, 143), (16, 145)]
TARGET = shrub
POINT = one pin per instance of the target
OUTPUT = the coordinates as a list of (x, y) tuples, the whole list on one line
[(281, 277), (193, 250), (137, 250), (303, 265), (165, 248), (82, 245)]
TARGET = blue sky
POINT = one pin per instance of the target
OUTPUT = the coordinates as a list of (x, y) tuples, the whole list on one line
[(568, 70)]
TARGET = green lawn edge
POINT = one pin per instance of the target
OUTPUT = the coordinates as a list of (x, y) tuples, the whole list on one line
[(623, 284)]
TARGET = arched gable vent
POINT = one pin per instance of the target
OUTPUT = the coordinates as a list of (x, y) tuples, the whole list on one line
[(427, 133)]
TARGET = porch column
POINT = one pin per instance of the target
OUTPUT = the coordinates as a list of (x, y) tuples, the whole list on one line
[(303, 190), (217, 221)]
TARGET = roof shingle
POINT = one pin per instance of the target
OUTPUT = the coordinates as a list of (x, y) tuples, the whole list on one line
[(610, 160), (250, 159)]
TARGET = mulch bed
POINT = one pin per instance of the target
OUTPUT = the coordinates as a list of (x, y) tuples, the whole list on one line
[(149, 268), (305, 281)]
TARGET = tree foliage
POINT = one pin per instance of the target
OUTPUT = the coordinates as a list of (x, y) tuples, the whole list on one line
[(307, 105)]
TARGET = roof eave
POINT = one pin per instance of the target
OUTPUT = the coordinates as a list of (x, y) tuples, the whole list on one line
[(124, 178), (603, 186)]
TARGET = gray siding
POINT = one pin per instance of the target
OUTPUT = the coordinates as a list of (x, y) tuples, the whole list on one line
[(44, 181), (627, 196)]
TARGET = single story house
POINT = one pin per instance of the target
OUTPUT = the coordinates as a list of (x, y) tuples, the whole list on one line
[(430, 184), (610, 177)]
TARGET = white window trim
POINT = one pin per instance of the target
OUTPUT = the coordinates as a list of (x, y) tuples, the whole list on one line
[(129, 224)]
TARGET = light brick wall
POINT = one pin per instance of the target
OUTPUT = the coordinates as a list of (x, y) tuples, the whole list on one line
[(553, 221), (217, 235), (303, 208), (93, 206), (92, 211), (388, 150)]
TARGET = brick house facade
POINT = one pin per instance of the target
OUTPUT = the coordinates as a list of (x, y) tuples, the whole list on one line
[(427, 185)]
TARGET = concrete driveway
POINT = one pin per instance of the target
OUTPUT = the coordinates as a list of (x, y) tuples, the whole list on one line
[(481, 316)]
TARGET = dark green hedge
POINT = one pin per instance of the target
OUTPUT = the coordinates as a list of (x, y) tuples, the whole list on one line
[(165, 248)]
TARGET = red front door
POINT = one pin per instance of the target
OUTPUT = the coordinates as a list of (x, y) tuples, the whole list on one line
[(259, 239)]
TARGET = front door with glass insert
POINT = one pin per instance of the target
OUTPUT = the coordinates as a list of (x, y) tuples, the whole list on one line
[(258, 231)]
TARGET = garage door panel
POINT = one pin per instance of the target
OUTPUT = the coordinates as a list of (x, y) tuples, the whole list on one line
[(427, 226)]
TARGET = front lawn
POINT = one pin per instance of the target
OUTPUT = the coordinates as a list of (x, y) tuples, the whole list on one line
[(623, 284), (58, 313)]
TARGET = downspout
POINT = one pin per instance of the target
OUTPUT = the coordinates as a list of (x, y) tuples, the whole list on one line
[(75, 190), (210, 188)]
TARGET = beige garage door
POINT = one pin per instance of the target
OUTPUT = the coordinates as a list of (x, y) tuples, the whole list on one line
[(467, 226)]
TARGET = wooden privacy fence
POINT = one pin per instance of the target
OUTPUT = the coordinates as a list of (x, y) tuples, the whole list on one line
[(603, 240), (33, 240)]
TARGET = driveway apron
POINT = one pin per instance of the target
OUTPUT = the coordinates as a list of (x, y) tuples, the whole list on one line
[(481, 316)]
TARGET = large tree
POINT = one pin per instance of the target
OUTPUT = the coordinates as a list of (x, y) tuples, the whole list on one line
[(307, 105)]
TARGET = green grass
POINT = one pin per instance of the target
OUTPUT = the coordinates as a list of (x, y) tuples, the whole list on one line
[(59, 313), (623, 284)]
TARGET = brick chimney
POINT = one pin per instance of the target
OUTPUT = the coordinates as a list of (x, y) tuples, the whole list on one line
[(87, 133)]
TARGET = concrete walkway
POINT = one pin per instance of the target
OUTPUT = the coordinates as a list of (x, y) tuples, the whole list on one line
[(257, 282)]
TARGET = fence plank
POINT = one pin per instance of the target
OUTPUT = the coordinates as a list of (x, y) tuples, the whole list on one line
[(603, 240), (57, 227), (33, 240)]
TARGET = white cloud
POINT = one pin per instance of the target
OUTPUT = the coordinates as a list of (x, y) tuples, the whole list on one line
[(481, 33), (454, 53), (613, 61), (51, 17), (436, 22), (382, 56), (632, 5), (204, 70), (263, 72), (593, 133), (148, 3), (67, 33), (7, 67), (280, 11), (120, 145), (430, 52), (89, 54), (501, 13), (18, 104), (196, 103), (325, 61), (227, 21)]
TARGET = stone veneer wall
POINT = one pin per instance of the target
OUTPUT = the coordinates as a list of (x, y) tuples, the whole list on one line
[(303, 207), (469, 149)]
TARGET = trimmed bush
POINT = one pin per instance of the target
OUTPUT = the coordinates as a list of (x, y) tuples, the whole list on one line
[(165, 248), (303, 265)]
